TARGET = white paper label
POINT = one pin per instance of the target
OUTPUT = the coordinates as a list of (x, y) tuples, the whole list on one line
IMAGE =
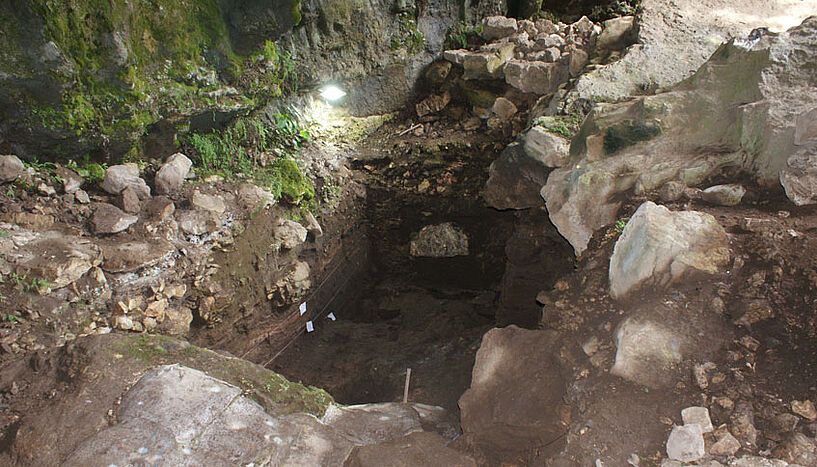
[(309, 326), (302, 308), (331, 316)]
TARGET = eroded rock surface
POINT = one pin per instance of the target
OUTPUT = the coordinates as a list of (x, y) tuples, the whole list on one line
[(640, 144), (658, 246), (515, 394)]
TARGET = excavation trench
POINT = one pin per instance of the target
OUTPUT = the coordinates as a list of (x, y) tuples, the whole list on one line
[(393, 311)]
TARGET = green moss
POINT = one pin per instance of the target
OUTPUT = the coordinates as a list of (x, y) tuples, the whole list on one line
[(272, 391), (147, 349), (261, 149), (136, 62), (564, 125), (286, 181), (407, 35), (459, 35), (295, 12), (341, 11)]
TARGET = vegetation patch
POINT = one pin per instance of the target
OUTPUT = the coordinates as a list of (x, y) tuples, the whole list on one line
[(262, 148), (145, 348), (564, 125), (124, 65), (408, 36), (461, 36)]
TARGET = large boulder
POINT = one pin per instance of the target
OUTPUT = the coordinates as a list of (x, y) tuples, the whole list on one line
[(71, 181), (658, 247), (515, 179), (486, 64), (134, 256), (289, 234), (373, 423), (516, 390), (170, 178), (212, 203), (659, 337), (119, 177), (11, 167), (546, 146), (253, 197), (181, 416), (198, 221), (666, 52), (724, 195), (799, 177), (617, 33), (498, 27), (746, 104)]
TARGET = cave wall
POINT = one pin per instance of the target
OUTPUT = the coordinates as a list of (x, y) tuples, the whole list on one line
[(92, 77)]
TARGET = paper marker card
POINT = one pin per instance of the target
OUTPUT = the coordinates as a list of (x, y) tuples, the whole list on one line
[(302, 308), (309, 326), (331, 316)]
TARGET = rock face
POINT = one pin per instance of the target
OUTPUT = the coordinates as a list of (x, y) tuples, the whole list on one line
[(515, 179), (170, 177), (658, 246), (516, 389), (666, 52), (440, 241), (11, 167), (184, 417), (180, 416), (621, 147)]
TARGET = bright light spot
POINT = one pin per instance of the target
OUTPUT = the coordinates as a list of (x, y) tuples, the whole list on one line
[(332, 93)]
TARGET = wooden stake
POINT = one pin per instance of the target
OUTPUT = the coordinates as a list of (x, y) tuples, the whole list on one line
[(406, 389)]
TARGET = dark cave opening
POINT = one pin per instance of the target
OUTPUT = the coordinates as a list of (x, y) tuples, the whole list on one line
[(427, 314)]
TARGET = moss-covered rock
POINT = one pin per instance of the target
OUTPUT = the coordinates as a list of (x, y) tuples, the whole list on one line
[(93, 75)]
